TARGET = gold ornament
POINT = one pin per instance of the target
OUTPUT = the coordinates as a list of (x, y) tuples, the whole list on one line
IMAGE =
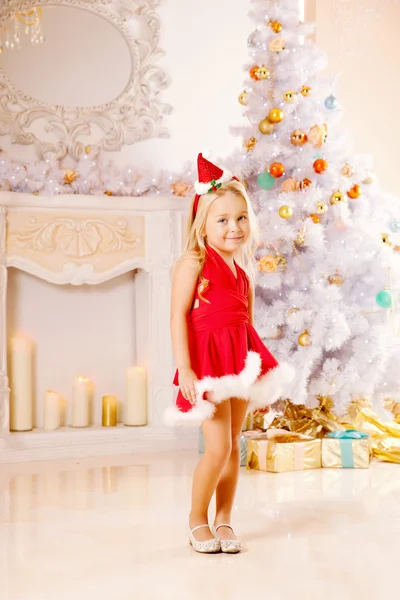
[(298, 137), (87, 149), (386, 239), (276, 115), (266, 127), (347, 170), (289, 96), (276, 45), (276, 26), (355, 192), (281, 262), (243, 98), (317, 135), (305, 91), (301, 238), (263, 73), (321, 208), (370, 179), (285, 212), (180, 189), (337, 198), (305, 339), (293, 311), (336, 279), (315, 218), (290, 185), (70, 176), (108, 193), (249, 144)]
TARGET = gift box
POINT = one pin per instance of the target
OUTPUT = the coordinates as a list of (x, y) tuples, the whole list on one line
[(243, 447), (280, 452), (346, 450)]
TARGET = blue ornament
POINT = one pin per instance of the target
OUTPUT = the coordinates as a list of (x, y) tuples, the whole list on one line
[(384, 299), (395, 226), (331, 102), (266, 181)]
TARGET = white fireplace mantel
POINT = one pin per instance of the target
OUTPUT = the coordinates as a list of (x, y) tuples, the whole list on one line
[(72, 239)]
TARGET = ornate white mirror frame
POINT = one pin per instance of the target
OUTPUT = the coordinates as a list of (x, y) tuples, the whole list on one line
[(136, 114)]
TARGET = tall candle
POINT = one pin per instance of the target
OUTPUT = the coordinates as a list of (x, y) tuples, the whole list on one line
[(136, 397), (109, 412), (81, 402), (21, 402), (52, 410)]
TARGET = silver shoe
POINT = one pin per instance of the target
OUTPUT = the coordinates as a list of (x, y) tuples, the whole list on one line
[(208, 547), (229, 546)]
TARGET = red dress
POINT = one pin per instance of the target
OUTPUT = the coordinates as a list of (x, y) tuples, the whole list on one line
[(220, 333)]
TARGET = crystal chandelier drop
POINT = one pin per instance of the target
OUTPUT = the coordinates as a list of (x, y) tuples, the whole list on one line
[(30, 21)]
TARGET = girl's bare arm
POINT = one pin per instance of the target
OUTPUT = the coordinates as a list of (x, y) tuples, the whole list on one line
[(184, 284)]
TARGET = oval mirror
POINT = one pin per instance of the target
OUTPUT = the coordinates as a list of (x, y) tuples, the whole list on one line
[(84, 60)]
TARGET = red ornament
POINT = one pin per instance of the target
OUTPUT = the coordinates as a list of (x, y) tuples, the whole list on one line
[(277, 169), (354, 192), (320, 165)]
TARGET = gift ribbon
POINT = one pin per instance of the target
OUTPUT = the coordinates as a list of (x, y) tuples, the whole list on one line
[(346, 444), (349, 434)]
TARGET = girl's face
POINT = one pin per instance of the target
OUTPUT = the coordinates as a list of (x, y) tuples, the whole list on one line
[(227, 225)]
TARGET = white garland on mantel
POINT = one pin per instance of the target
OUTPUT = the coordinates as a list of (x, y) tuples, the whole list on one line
[(92, 174)]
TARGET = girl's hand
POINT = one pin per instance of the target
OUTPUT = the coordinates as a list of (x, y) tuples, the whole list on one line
[(187, 379)]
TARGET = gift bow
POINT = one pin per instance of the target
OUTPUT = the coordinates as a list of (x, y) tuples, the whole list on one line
[(350, 434)]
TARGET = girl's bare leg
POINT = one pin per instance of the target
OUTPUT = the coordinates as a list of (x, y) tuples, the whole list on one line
[(226, 488), (218, 445)]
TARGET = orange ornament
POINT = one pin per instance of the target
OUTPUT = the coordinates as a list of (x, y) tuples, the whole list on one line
[(305, 183), (277, 169), (254, 73), (315, 218), (276, 26), (320, 165), (298, 137), (354, 192)]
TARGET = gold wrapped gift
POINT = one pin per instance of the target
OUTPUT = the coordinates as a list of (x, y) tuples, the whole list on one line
[(281, 452), (346, 450)]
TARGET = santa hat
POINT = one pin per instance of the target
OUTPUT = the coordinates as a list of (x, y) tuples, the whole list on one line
[(210, 177)]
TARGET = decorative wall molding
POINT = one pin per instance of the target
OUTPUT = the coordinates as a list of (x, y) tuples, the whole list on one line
[(136, 114), (76, 237)]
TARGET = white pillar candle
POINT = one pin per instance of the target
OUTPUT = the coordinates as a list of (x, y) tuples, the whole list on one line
[(21, 401), (81, 402), (136, 397), (52, 410)]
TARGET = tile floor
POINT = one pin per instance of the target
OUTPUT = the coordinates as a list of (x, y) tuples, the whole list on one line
[(115, 529)]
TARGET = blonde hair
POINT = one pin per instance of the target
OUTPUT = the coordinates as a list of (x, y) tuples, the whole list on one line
[(195, 243)]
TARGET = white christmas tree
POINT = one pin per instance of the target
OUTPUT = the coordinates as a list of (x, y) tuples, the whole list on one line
[(329, 258)]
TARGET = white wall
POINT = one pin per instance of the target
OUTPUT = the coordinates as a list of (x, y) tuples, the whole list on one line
[(205, 45)]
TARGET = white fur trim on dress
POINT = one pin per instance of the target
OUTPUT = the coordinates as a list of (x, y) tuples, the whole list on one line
[(221, 388), (271, 386), (202, 188)]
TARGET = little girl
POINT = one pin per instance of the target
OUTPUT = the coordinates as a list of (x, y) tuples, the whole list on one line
[(224, 369)]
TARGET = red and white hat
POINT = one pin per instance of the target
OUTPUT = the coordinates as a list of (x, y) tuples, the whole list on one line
[(210, 177)]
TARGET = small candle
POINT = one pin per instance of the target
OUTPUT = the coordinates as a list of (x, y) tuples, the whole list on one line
[(80, 402), (21, 402), (52, 410), (136, 397), (109, 412)]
